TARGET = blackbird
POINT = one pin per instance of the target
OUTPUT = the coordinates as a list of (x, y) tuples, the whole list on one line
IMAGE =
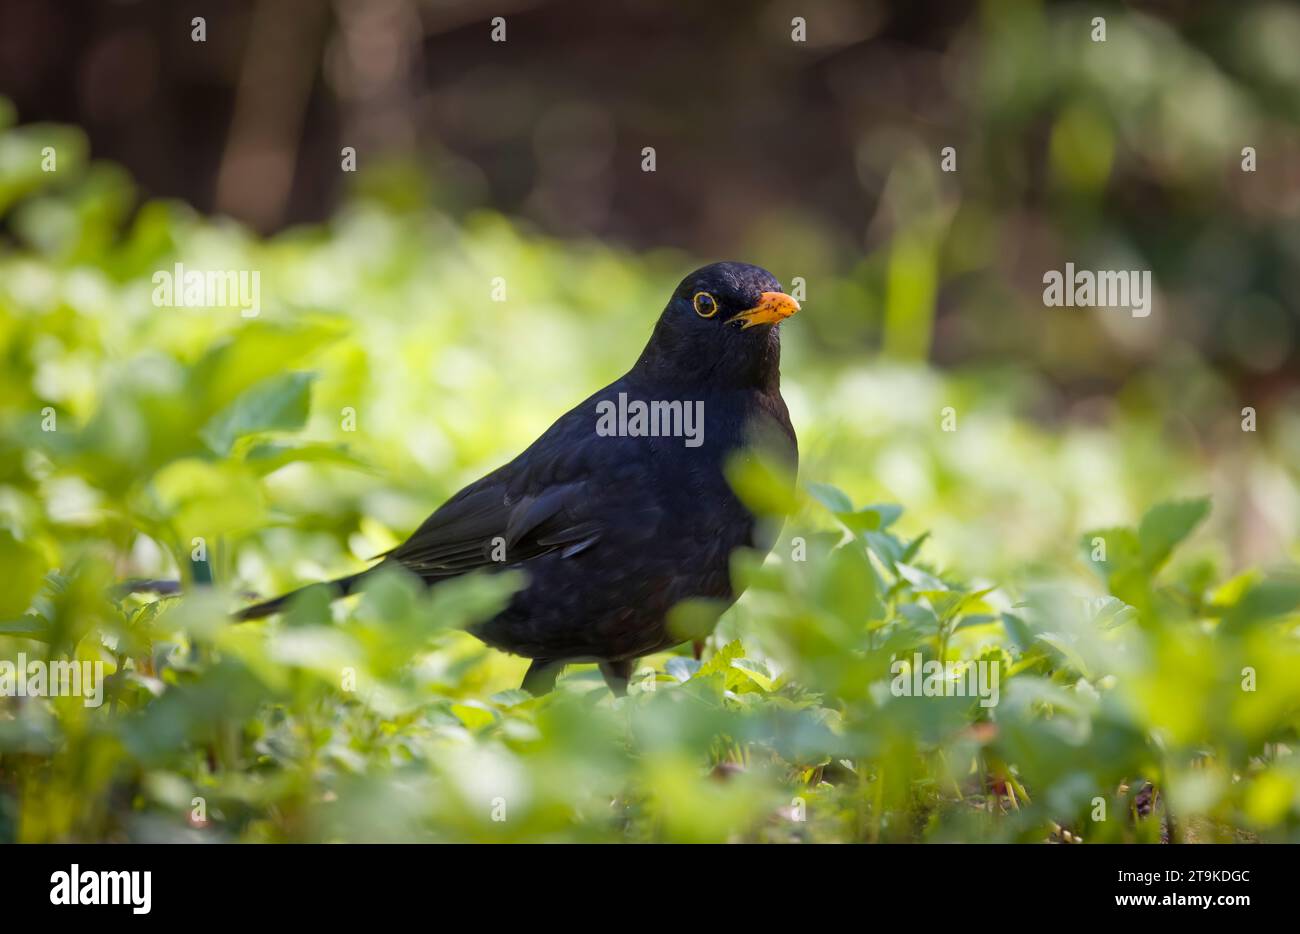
[(621, 509)]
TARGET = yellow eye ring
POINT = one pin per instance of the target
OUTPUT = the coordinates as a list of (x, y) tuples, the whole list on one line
[(706, 306)]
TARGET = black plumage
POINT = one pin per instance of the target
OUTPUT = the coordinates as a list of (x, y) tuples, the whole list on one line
[(612, 531)]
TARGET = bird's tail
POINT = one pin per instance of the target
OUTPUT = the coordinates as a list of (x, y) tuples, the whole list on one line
[(342, 587)]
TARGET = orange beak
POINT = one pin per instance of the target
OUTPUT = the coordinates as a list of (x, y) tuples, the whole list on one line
[(772, 308)]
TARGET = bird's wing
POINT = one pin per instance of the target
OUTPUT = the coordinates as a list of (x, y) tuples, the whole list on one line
[(472, 528), (486, 526), (546, 500), (565, 493)]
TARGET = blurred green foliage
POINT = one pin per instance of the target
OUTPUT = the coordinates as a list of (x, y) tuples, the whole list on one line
[(1133, 644)]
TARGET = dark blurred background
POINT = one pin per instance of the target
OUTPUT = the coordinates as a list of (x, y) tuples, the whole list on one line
[(548, 125)]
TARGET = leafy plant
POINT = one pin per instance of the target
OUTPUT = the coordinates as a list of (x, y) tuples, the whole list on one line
[(1139, 695)]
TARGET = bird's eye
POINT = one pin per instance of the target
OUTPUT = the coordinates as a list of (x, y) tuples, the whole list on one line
[(706, 306)]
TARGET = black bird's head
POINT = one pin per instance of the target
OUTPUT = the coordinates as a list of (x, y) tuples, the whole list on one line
[(720, 327)]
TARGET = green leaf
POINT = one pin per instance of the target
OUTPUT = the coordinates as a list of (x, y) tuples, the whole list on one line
[(1266, 599), (867, 519), (208, 499), (280, 403), (1018, 630), (765, 484), (266, 458), (721, 660), (694, 618), (258, 352), (512, 697), (913, 547), (1113, 553), (1167, 524), (32, 627), (847, 585), (919, 579), (1109, 612), (885, 547), (475, 715), (833, 498), (755, 671), (1062, 645), (886, 513), (950, 604), (24, 572)]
